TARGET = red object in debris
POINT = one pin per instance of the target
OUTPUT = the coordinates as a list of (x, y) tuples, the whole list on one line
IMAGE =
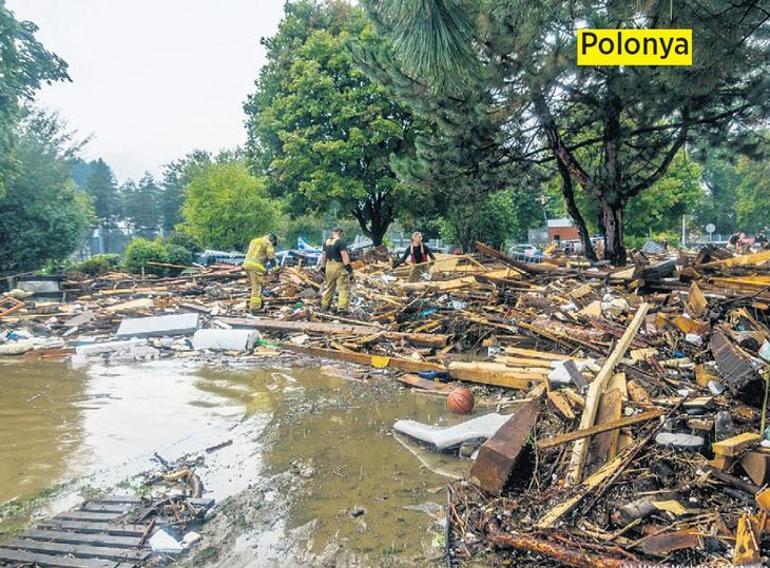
[(460, 401)]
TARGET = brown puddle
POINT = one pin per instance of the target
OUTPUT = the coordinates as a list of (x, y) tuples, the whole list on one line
[(315, 449)]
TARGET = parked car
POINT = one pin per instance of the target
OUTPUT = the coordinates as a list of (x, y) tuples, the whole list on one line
[(525, 253)]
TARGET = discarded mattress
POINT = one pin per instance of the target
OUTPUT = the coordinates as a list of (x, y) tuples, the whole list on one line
[(443, 438)]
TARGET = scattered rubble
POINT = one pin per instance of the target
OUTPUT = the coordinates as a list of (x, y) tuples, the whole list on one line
[(628, 404)]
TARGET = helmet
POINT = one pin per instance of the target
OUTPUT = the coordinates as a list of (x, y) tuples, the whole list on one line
[(273, 238)]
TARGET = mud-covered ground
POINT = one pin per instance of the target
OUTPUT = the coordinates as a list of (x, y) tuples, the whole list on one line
[(313, 475)]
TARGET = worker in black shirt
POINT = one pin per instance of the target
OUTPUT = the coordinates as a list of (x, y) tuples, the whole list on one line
[(335, 262), (418, 254)]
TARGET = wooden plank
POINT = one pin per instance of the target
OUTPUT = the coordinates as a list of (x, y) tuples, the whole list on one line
[(578, 434), (495, 374), (429, 339), (34, 558), (734, 446), (587, 419), (561, 402), (424, 384), (82, 538), (618, 381), (743, 260), (638, 393), (87, 527), (605, 445), (696, 302), (522, 266), (120, 499), (524, 362), (88, 516), (603, 473), (78, 550), (408, 365), (534, 354), (747, 549), (96, 507)]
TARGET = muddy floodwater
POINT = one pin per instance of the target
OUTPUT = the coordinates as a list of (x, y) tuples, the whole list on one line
[(310, 474)]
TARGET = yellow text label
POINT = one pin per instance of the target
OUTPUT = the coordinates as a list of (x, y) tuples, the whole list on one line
[(634, 47)]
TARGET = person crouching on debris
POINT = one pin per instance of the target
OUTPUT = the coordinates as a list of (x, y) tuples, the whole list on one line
[(259, 258), (418, 254), (335, 262)]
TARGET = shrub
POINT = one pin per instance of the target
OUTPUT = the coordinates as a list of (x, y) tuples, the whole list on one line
[(98, 264), (178, 255), (184, 240), (139, 252)]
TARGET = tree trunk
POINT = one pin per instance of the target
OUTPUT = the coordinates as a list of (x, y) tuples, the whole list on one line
[(569, 197), (374, 216), (612, 221), (378, 235)]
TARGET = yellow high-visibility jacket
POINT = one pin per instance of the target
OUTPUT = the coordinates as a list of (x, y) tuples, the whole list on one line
[(260, 250)]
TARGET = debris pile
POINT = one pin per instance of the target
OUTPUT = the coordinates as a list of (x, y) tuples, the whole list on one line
[(630, 423)]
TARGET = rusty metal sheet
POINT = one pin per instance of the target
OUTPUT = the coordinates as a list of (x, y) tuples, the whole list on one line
[(741, 378), (666, 543)]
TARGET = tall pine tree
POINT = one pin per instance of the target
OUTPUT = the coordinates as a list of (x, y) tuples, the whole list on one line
[(612, 132)]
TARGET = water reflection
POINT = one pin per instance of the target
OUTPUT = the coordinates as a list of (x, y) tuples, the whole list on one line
[(41, 425)]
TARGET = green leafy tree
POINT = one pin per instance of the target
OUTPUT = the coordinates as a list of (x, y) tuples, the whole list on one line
[(176, 177), (226, 206), (43, 216), (498, 218), (321, 131), (25, 65), (721, 178), (611, 131), (103, 189), (660, 209), (141, 205), (752, 206)]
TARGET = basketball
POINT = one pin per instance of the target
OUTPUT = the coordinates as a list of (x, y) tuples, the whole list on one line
[(460, 401)]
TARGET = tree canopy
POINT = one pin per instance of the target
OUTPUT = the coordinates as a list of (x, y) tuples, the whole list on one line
[(43, 216), (318, 128), (25, 65), (612, 131), (226, 206)]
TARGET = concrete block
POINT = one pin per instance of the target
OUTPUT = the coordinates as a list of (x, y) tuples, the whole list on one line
[(225, 339), (107, 347), (157, 326)]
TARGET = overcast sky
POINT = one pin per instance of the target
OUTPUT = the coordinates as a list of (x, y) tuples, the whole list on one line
[(153, 79)]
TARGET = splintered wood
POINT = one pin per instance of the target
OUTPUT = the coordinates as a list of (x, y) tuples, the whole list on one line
[(596, 389)]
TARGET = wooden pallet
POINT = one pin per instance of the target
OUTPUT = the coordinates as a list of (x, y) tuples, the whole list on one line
[(100, 534), (103, 533)]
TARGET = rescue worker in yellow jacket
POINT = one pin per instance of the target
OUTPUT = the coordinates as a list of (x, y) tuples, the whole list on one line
[(335, 262), (259, 257)]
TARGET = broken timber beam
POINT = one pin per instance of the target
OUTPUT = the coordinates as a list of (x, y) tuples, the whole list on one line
[(499, 454), (595, 390), (496, 374), (607, 426), (487, 250), (408, 365), (567, 556), (428, 339)]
